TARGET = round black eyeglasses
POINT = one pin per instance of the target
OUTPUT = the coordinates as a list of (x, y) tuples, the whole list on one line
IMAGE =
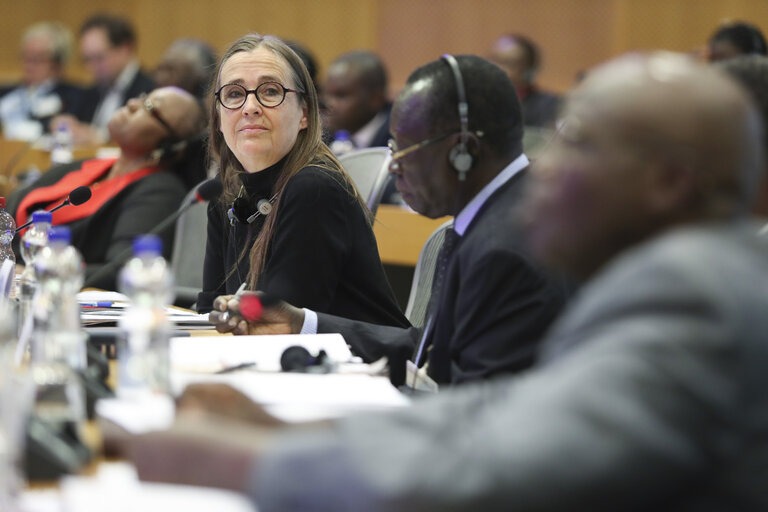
[(269, 94)]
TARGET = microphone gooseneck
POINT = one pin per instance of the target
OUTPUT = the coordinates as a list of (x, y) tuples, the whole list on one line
[(208, 190), (77, 197)]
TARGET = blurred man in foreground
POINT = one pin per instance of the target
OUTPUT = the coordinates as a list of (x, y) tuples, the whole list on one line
[(650, 391)]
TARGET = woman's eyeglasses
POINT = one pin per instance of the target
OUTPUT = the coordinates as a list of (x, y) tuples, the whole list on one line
[(269, 94)]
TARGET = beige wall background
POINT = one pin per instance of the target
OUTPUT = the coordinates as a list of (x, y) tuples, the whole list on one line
[(573, 34)]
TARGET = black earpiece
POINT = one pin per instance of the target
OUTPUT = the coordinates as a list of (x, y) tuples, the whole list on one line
[(243, 211), (459, 156)]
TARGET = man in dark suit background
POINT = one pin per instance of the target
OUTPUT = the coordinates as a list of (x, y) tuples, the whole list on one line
[(520, 58), (650, 391), (357, 108), (494, 303), (355, 94), (108, 48)]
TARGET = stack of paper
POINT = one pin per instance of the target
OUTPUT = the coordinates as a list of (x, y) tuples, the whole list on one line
[(106, 308), (289, 396)]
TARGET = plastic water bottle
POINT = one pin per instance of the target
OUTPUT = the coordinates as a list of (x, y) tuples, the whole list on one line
[(7, 258), (7, 231), (143, 352), (63, 145), (57, 334), (33, 241), (342, 143), (36, 237), (58, 341)]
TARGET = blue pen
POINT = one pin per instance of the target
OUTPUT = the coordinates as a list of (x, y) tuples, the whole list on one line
[(99, 304)]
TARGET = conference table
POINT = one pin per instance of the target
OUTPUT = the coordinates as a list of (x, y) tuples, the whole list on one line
[(199, 357)]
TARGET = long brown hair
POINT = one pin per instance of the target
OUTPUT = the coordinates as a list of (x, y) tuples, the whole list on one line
[(309, 149)]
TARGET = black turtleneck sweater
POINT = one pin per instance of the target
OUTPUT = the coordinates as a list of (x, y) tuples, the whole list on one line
[(323, 254)]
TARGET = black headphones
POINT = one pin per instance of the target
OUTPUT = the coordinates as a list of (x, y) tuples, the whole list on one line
[(460, 158)]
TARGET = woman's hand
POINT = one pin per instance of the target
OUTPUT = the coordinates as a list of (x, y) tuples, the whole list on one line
[(226, 315)]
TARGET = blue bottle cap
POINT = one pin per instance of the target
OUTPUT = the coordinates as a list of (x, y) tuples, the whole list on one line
[(147, 244), (41, 216), (342, 135), (59, 234)]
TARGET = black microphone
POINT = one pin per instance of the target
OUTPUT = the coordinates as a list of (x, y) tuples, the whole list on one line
[(207, 191), (77, 197)]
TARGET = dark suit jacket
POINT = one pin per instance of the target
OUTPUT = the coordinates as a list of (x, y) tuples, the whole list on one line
[(71, 97), (494, 307), (540, 109), (382, 135), (92, 96)]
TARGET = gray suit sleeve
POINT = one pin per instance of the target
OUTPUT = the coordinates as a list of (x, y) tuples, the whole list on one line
[(631, 415)]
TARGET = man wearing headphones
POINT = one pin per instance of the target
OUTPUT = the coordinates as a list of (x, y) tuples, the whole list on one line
[(520, 58), (456, 151)]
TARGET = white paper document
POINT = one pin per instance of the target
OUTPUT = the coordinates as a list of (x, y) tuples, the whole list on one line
[(306, 396), (209, 354)]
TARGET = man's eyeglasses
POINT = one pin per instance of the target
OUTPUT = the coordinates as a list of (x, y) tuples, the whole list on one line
[(397, 154), (150, 107), (269, 94)]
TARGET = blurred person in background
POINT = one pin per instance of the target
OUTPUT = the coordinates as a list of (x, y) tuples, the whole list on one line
[(355, 94), (520, 58), (27, 108), (108, 49), (131, 193), (733, 39), (189, 64)]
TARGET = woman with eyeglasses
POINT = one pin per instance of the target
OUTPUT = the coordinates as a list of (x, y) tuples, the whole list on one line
[(132, 193), (289, 221)]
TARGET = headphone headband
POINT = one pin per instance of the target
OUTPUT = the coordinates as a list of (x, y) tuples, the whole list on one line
[(460, 156), (462, 95)]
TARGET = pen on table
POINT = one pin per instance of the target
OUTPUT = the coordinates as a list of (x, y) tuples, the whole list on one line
[(98, 304), (230, 369)]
